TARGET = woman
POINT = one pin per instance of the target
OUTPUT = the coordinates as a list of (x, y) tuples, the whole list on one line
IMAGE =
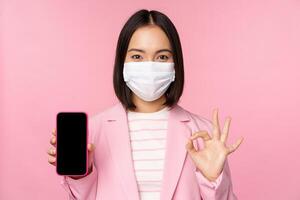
[(147, 146)]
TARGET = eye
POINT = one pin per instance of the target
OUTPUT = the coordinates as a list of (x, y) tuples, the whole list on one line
[(163, 57), (138, 56)]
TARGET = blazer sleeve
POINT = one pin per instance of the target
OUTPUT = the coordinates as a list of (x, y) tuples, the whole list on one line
[(86, 187), (221, 188)]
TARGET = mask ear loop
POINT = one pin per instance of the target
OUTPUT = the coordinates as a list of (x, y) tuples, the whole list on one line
[(173, 77), (168, 90)]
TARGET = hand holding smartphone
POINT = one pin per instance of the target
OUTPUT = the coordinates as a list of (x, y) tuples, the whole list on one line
[(52, 154), (71, 144)]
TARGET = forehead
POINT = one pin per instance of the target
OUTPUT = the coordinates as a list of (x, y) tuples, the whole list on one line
[(149, 38)]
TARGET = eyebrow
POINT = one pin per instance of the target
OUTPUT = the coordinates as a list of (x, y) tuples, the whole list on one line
[(141, 50)]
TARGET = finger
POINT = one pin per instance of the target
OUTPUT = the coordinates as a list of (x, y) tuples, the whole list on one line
[(225, 131), (91, 147), (53, 141), (190, 146), (52, 151), (54, 131), (234, 146), (216, 126), (52, 160), (203, 134)]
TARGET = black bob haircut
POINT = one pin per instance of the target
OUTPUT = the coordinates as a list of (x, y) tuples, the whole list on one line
[(139, 19)]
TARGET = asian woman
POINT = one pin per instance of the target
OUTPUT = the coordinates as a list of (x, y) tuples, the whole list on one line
[(147, 146)]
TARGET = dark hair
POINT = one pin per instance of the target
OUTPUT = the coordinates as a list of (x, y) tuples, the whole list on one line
[(138, 19)]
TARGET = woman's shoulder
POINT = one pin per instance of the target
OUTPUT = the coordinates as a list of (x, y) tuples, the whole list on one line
[(105, 113), (199, 120), (95, 121)]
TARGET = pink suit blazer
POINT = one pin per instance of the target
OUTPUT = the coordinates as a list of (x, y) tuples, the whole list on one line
[(113, 172)]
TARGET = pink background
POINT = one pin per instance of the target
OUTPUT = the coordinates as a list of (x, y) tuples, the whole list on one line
[(241, 56)]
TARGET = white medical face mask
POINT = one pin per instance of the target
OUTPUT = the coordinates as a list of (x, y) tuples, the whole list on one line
[(148, 80)]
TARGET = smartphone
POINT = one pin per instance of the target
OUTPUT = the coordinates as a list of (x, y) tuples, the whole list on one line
[(71, 143)]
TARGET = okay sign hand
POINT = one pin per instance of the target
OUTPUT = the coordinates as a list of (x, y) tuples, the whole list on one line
[(211, 159)]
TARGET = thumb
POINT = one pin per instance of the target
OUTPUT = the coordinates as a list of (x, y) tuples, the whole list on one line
[(91, 147)]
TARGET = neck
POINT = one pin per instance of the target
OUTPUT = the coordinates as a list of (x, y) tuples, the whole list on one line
[(148, 106)]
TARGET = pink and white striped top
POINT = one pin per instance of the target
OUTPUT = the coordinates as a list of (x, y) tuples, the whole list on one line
[(148, 133)]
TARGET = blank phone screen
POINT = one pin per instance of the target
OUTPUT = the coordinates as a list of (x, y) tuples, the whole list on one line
[(71, 146)]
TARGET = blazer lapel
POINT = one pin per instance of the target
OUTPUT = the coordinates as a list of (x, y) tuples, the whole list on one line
[(119, 140), (175, 155)]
